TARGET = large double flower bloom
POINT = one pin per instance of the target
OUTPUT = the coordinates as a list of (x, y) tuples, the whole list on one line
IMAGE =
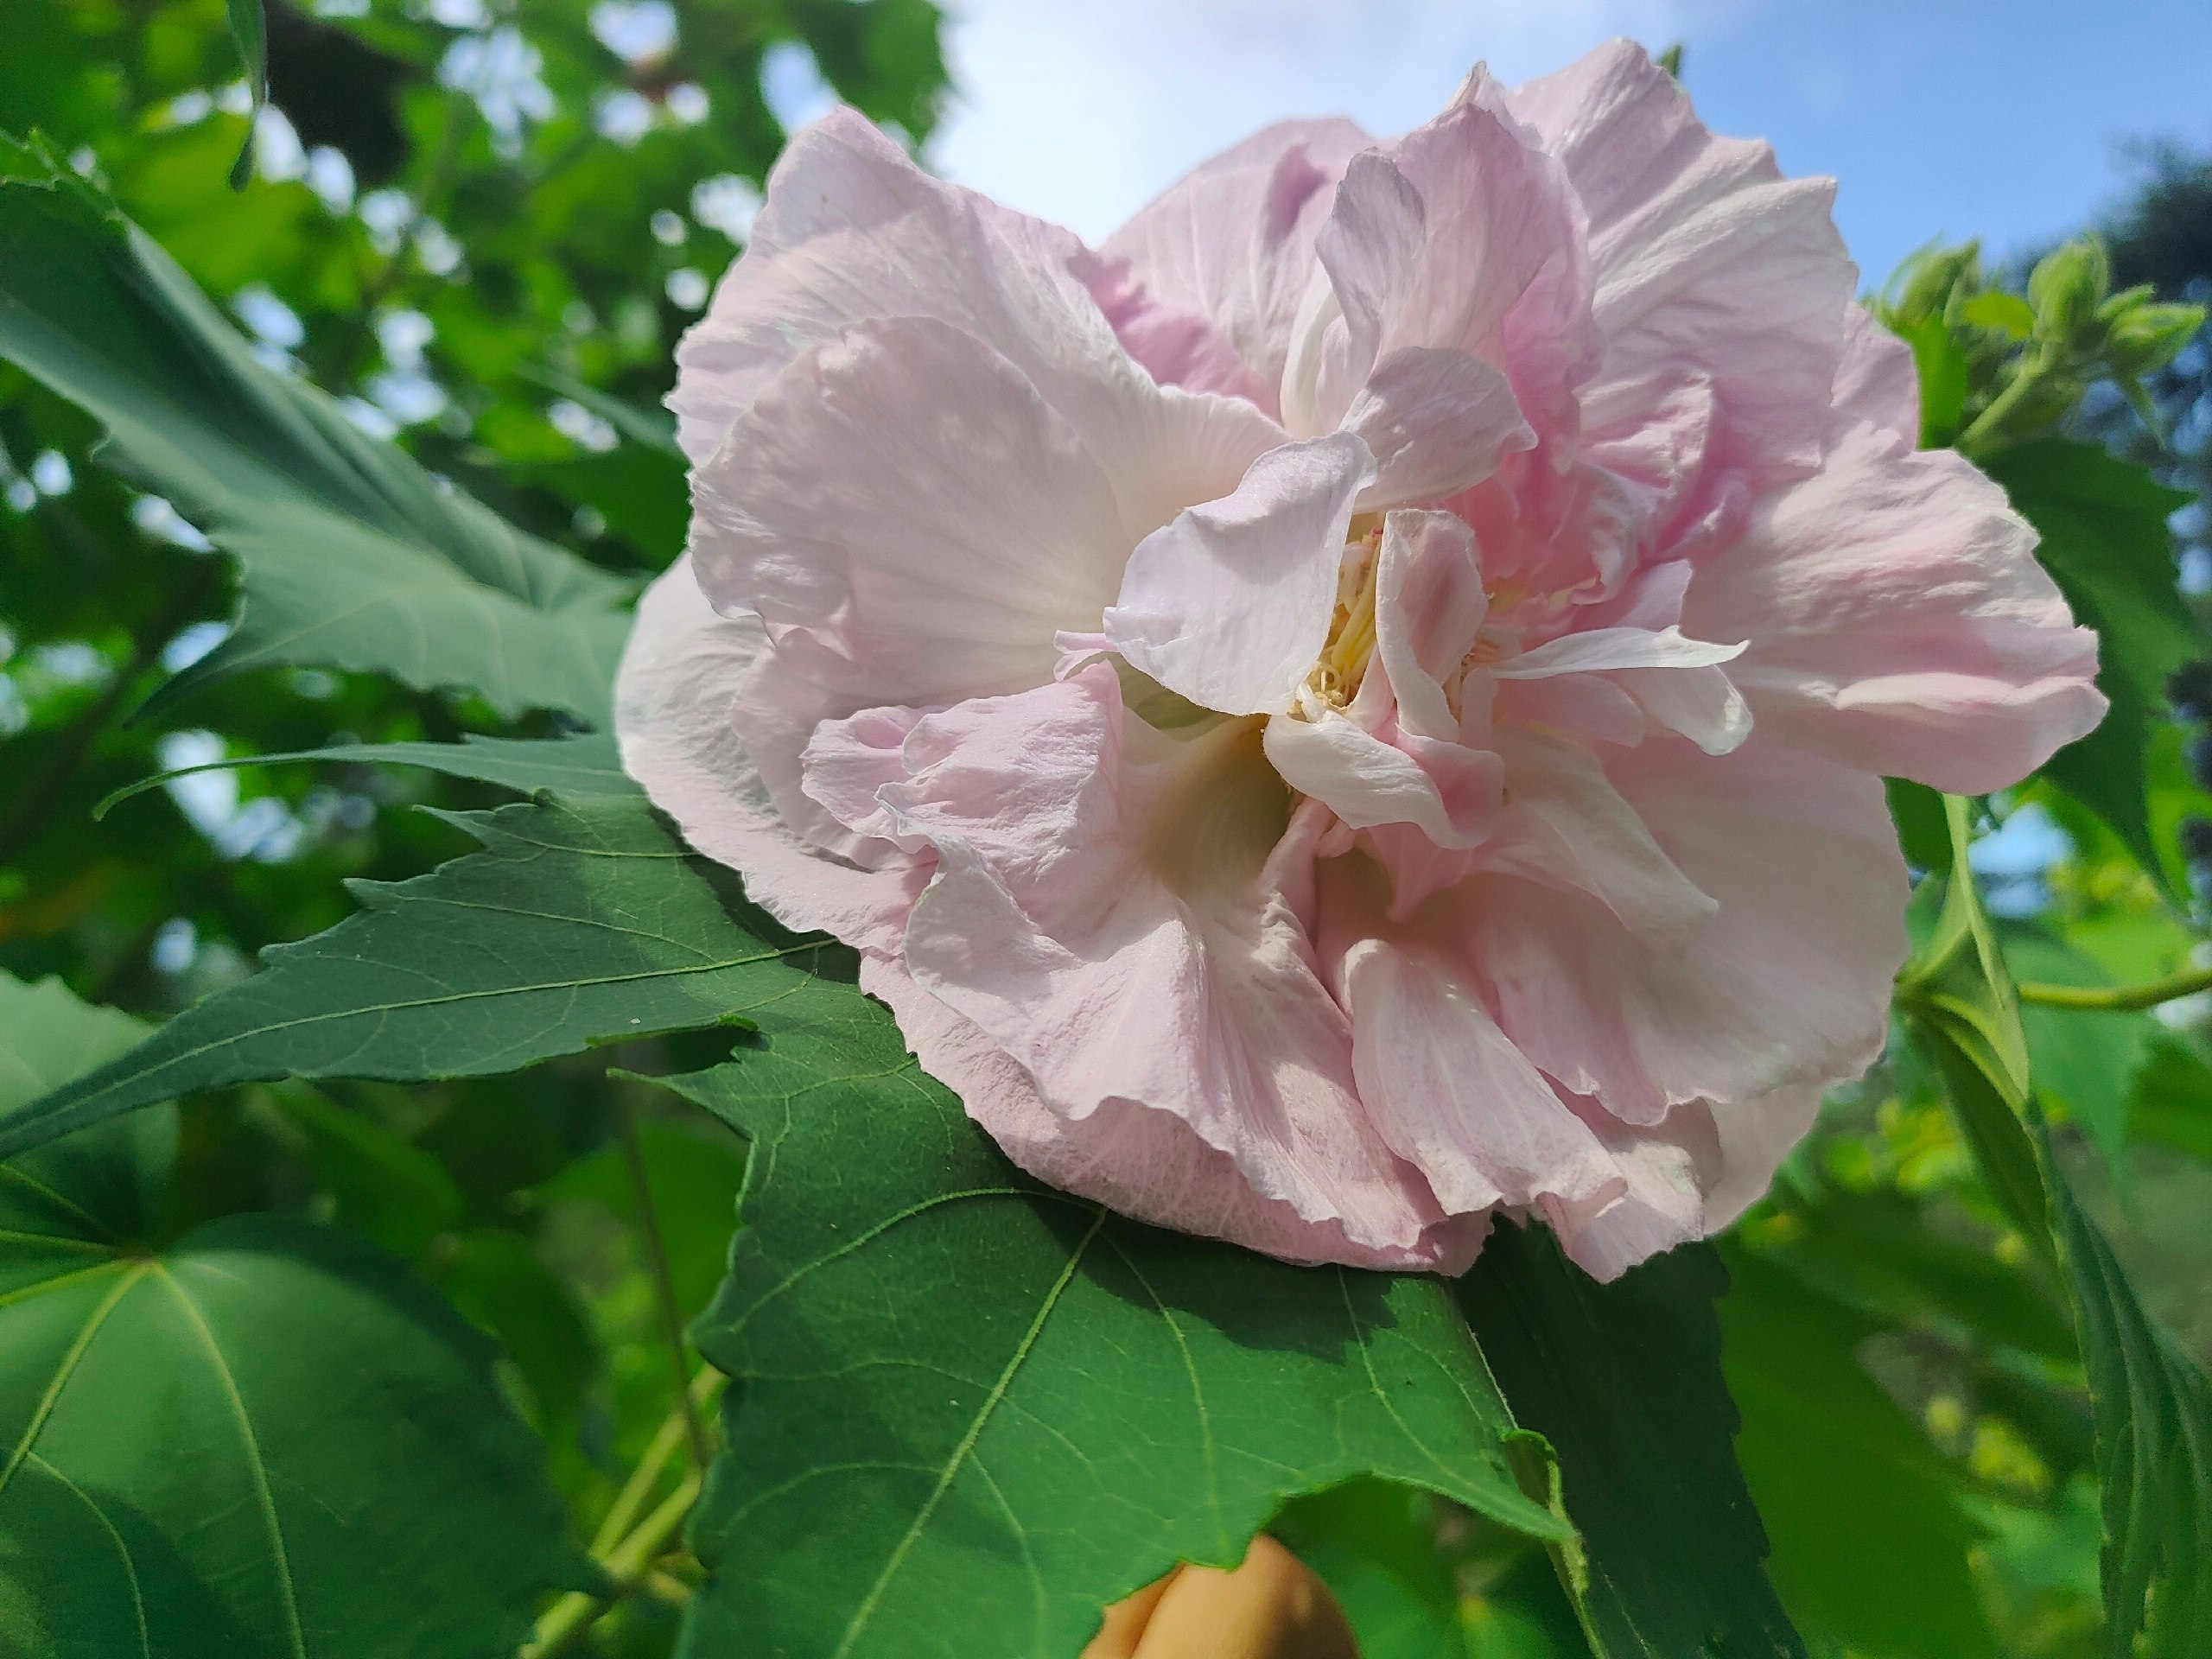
[(1362, 703)]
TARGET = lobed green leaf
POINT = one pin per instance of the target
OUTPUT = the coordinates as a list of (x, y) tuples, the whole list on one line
[(350, 555), (2151, 1404), (583, 921), (1624, 1383), (969, 1411), (258, 1440)]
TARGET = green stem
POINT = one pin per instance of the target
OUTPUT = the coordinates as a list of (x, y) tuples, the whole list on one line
[(643, 1478), (629, 1564), (1988, 424), (671, 1316), (2119, 999)]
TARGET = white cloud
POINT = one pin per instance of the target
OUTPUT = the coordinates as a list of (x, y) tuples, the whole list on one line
[(1082, 112)]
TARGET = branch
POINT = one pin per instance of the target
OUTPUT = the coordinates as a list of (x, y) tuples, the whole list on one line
[(2119, 999), (630, 1566)]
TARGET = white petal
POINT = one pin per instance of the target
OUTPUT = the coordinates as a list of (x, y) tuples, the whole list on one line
[(1230, 605)]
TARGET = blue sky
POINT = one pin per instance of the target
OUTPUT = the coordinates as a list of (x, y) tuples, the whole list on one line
[(1978, 118)]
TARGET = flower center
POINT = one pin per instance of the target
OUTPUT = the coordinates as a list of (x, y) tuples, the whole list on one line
[(1343, 665)]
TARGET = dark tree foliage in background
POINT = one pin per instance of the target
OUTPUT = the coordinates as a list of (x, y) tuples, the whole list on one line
[(2163, 236)]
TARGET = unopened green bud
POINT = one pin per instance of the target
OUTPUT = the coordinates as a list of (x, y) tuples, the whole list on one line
[(2067, 286), (1925, 283), (2124, 302), (2147, 337)]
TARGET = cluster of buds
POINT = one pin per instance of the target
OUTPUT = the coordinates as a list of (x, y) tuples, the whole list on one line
[(1998, 366)]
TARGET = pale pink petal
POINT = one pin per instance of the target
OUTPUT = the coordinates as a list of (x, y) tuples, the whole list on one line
[(1462, 237), (1663, 1170), (1594, 651), (1899, 623), (1143, 1163), (673, 711), (1700, 704), (846, 762), (1704, 257), (905, 499), (1651, 599), (852, 232), (1788, 983), (1877, 380), (1230, 605), (1565, 825), (1231, 244), (1429, 604), (1588, 705), (1754, 1136), (1674, 680), (1655, 434), (1177, 347), (1443, 1085), (1098, 912), (1437, 422), (1449, 792)]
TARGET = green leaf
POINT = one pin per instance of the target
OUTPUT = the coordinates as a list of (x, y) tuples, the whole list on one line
[(2154, 1411), (583, 921), (2172, 1101), (249, 28), (2086, 1061), (1375, 1545), (499, 1281), (2007, 313), (1853, 1495), (350, 555), (2151, 1405), (969, 1411), (260, 1438), (1624, 1382), (392, 1193), (2106, 542), (694, 1181), (1943, 370), (1885, 1252), (1917, 812), (47, 1037), (588, 764), (1958, 980)]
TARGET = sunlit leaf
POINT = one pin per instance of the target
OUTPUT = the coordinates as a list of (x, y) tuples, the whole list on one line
[(259, 1439), (583, 921), (969, 1411), (351, 555)]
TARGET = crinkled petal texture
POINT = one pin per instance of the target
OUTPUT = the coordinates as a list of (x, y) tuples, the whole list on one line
[(1362, 703)]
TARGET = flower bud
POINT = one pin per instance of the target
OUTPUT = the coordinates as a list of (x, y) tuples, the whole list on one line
[(2148, 337), (1930, 278), (2067, 286)]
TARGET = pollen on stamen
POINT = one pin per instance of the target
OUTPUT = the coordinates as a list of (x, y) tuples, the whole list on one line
[(1343, 663)]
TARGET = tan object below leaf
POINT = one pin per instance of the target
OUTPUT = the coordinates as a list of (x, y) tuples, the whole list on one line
[(1270, 1607)]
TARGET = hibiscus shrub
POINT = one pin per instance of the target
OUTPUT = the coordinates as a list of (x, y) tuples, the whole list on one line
[(1338, 886)]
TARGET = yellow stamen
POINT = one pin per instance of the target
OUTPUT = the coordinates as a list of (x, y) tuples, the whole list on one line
[(1343, 661)]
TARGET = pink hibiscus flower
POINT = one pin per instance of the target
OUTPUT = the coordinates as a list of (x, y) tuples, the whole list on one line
[(1362, 703)]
